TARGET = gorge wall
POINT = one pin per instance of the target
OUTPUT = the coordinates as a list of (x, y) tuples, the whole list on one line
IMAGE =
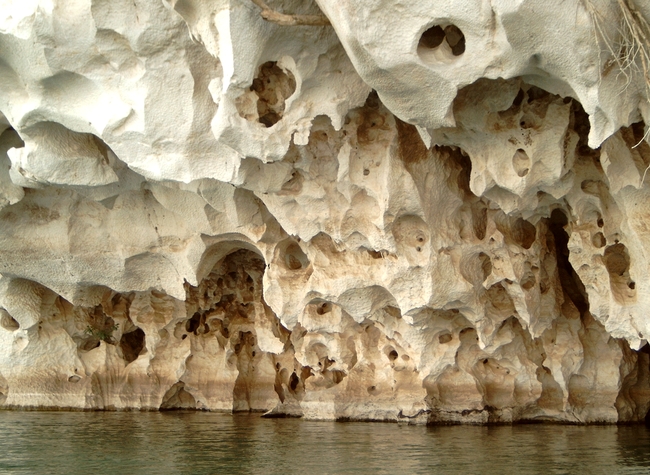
[(427, 211)]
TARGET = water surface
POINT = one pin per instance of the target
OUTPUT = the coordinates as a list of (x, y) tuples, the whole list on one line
[(209, 443)]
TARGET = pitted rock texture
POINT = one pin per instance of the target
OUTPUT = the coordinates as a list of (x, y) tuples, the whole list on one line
[(423, 212)]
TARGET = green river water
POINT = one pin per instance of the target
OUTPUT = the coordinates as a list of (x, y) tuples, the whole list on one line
[(95, 443)]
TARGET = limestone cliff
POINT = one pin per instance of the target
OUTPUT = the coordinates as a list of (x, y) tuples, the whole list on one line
[(427, 210)]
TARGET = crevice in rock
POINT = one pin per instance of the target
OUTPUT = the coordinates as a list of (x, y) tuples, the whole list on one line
[(569, 279), (459, 178)]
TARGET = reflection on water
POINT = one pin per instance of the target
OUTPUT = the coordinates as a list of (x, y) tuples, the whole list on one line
[(209, 443)]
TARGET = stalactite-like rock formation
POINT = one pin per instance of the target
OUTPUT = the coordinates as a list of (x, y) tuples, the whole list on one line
[(423, 211)]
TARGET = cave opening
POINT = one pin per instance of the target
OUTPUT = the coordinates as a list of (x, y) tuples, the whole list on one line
[(132, 344)]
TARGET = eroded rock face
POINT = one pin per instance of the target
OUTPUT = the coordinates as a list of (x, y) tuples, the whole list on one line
[(202, 209)]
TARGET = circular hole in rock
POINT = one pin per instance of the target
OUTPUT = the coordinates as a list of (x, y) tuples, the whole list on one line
[(617, 260), (441, 44), (521, 162), (372, 390), (632, 285), (294, 257), (528, 281), (324, 308), (598, 240)]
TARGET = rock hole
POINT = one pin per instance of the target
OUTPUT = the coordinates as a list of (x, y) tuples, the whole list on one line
[(486, 265), (617, 260), (479, 220), (410, 231), (456, 39), (569, 279), (294, 258), (617, 263), (521, 162), (392, 355), (600, 222), (377, 254), (272, 86), (441, 44), (433, 37), (337, 375), (193, 323), (325, 307), (266, 97), (524, 233), (177, 398), (366, 172), (445, 338), (132, 344), (598, 240), (293, 381), (528, 280)]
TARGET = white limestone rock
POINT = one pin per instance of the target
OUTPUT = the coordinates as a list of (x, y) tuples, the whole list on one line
[(203, 209)]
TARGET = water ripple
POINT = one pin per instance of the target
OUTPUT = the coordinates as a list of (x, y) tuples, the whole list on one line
[(207, 443)]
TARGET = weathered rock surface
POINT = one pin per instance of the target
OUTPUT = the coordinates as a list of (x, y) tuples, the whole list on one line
[(427, 211)]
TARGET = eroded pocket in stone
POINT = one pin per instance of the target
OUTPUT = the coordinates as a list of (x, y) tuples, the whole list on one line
[(272, 87), (442, 44)]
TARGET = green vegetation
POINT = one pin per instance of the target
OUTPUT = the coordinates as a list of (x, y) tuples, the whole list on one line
[(104, 334)]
